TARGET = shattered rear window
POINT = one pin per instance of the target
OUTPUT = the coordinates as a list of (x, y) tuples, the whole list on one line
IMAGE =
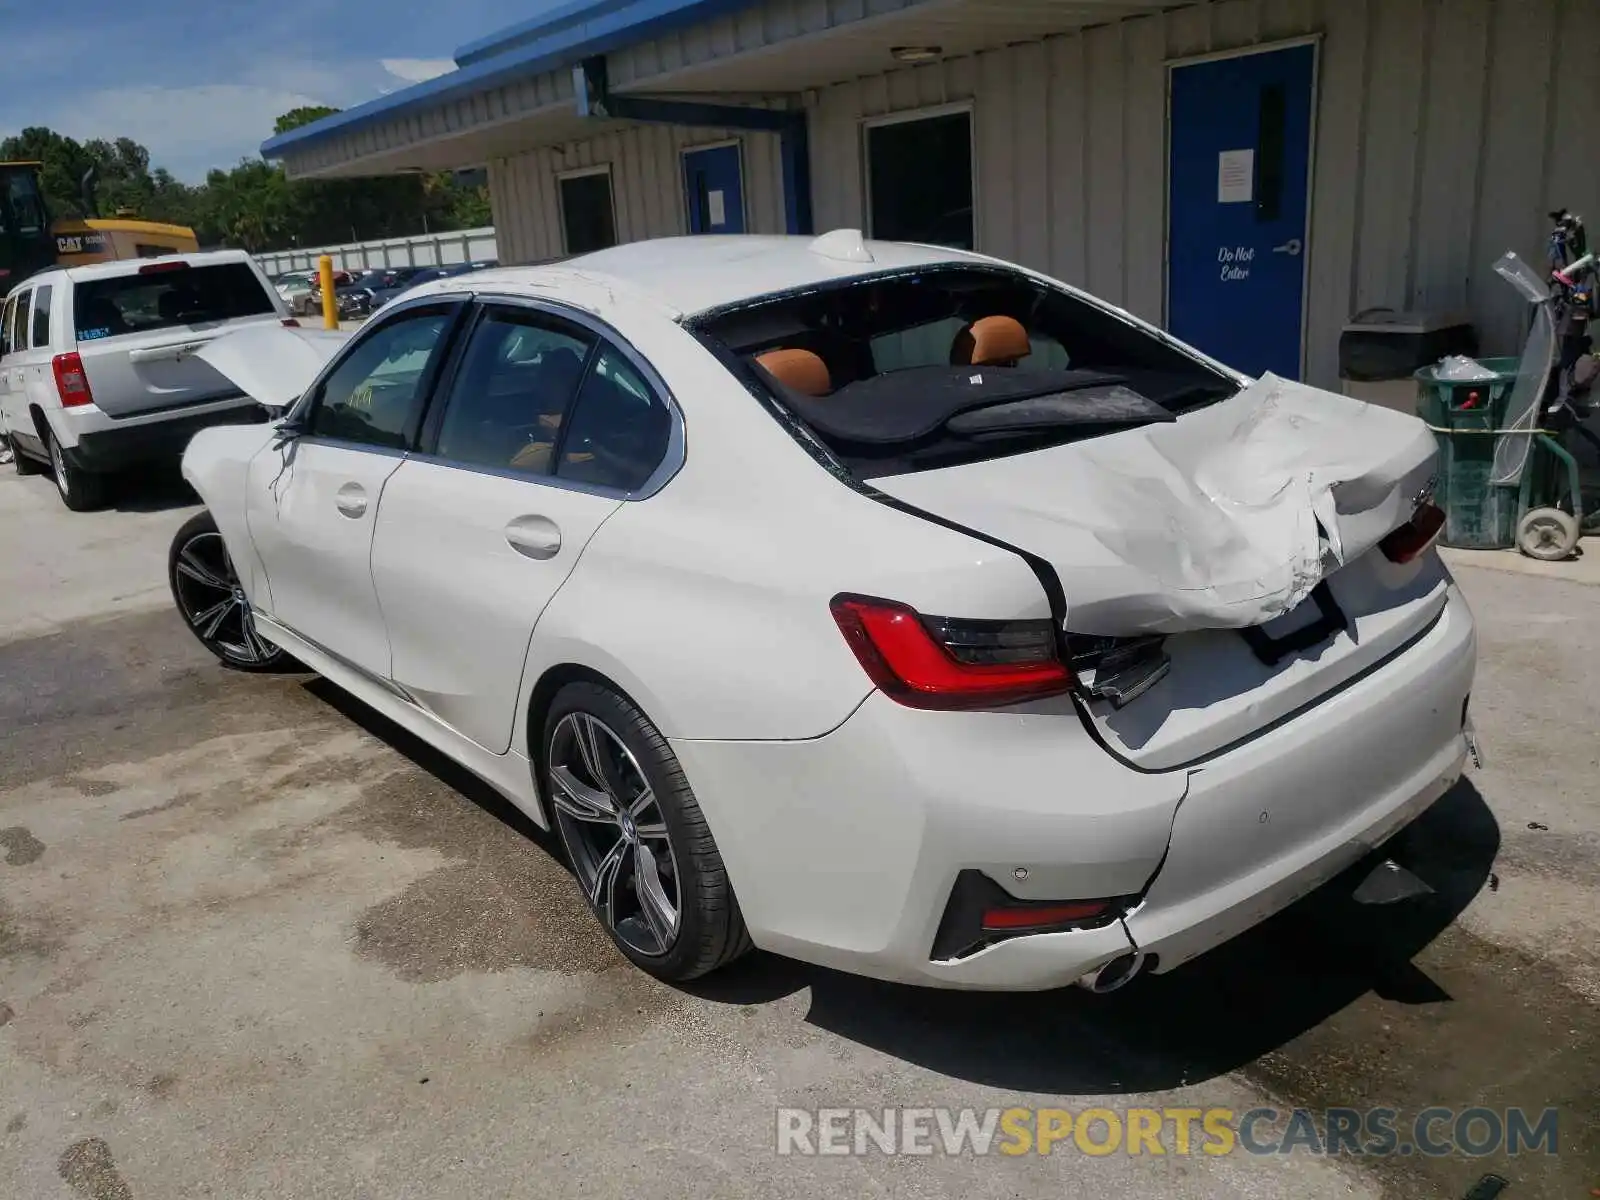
[(931, 368)]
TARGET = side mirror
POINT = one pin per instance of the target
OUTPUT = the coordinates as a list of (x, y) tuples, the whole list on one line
[(285, 430)]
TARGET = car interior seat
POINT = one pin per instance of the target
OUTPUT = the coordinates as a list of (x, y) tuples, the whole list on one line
[(991, 342), (799, 370)]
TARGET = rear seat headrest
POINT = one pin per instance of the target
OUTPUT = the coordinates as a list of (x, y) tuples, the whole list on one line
[(991, 342), (798, 370)]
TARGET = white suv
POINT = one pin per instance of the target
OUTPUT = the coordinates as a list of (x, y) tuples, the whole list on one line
[(98, 366)]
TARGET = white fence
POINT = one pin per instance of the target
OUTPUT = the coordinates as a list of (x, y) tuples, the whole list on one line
[(423, 250)]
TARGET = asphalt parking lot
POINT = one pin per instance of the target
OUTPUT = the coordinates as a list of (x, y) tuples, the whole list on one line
[(256, 942)]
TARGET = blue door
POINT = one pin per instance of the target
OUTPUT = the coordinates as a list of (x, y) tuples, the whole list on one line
[(1239, 175), (714, 190)]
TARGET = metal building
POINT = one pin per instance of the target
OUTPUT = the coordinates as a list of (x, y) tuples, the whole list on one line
[(1252, 173)]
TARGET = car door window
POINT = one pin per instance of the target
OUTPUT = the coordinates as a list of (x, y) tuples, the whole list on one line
[(373, 394), (619, 429), (512, 392), (7, 316), (20, 320), (41, 317)]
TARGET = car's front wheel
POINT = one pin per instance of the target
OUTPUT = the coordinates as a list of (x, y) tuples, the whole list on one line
[(214, 605), (20, 462), (638, 843)]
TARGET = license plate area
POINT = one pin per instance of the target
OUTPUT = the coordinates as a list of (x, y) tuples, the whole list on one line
[(1309, 624)]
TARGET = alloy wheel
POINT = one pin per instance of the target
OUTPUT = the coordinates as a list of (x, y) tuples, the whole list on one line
[(615, 833), (58, 464), (214, 604)]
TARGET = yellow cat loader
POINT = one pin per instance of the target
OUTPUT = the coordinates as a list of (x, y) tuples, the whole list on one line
[(29, 241)]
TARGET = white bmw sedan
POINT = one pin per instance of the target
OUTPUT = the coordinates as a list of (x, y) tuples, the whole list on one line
[(888, 607)]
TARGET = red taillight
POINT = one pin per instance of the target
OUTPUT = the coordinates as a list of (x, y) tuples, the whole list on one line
[(160, 268), (970, 664), (1415, 536), (290, 323), (72, 385), (1012, 918)]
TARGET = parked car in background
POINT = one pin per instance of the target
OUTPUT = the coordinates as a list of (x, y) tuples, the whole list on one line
[(358, 297), (422, 275), (988, 637), (99, 369), (309, 303)]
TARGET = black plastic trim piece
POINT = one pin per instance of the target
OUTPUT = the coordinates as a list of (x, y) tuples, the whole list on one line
[(961, 933)]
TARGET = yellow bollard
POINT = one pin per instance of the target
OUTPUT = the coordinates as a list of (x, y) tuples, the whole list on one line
[(330, 298)]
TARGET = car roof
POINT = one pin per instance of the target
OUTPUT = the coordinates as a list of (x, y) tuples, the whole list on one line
[(688, 275), (119, 267)]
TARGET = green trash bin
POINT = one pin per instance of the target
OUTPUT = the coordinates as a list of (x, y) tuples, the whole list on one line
[(1465, 418)]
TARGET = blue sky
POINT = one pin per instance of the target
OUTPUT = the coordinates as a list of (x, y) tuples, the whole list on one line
[(201, 83)]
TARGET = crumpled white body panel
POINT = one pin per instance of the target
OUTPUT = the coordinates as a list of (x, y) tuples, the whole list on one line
[(1225, 519)]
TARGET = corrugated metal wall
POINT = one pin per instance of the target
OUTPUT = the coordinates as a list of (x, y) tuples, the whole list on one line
[(1446, 130), (646, 186)]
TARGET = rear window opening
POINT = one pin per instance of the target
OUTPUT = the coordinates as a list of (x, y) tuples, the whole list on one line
[(947, 365), (139, 303)]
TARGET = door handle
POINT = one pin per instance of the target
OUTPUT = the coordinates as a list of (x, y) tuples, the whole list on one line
[(1292, 248), (534, 537), (351, 500)]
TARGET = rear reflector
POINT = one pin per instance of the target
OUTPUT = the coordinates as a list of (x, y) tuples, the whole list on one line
[(290, 323), (1414, 537), (1015, 918), (160, 268), (72, 385), (948, 663)]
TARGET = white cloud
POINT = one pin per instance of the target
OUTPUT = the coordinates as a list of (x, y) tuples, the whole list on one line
[(188, 129), (418, 70)]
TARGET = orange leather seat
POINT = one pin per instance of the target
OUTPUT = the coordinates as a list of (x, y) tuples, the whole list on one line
[(991, 342), (799, 370)]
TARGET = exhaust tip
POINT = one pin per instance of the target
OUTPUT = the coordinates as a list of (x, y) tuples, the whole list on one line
[(1117, 973)]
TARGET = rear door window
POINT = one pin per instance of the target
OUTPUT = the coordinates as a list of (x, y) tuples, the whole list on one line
[(512, 392), (167, 297), (41, 316), (619, 430)]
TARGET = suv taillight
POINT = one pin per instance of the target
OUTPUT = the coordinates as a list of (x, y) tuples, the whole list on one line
[(72, 385), (945, 662), (1414, 537)]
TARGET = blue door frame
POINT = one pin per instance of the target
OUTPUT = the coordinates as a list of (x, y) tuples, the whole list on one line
[(1239, 157), (593, 98), (713, 188)]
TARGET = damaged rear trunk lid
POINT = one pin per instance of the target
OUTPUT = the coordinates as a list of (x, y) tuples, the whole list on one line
[(1243, 535)]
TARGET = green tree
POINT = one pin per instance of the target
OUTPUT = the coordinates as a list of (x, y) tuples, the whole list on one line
[(253, 204), (297, 117)]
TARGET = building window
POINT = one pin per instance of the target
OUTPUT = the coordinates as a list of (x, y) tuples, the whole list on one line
[(587, 220), (919, 179)]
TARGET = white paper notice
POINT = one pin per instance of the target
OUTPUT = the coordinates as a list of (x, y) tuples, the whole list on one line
[(1236, 176), (719, 212)]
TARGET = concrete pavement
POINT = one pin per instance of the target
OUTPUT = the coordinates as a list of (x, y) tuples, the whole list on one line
[(256, 942)]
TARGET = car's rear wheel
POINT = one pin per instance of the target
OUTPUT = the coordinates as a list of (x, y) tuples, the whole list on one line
[(80, 490), (638, 843), (214, 605)]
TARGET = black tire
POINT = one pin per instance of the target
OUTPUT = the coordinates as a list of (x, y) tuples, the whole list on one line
[(206, 590), (20, 462), (709, 931), (81, 491)]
